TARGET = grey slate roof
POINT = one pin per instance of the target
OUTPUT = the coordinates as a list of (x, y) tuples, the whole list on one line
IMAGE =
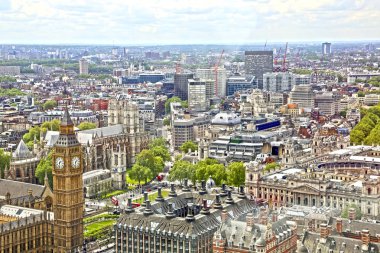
[(22, 151), (19, 189)]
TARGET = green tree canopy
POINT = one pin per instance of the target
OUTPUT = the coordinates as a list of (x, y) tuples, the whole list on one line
[(140, 173), (162, 152), (344, 213), (166, 122), (189, 145), (171, 100), (211, 167), (5, 159), (236, 173), (181, 170), (86, 125), (158, 142), (50, 104), (51, 125), (45, 165), (147, 159), (271, 166)]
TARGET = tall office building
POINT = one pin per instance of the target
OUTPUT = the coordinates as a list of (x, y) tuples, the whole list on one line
[(257, 63), (83, 66), (181, 84), (199, 93), (221, 76), (326, 48), (283, 81), (327, 103), (302, 95)]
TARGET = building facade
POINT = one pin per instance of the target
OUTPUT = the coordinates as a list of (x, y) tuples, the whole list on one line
[(200, 91), (257, 63), (283, 81), (212, 74), (302, 95), (83, 67), (181, 85)]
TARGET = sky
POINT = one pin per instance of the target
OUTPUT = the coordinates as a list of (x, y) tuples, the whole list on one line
[(136, 22)]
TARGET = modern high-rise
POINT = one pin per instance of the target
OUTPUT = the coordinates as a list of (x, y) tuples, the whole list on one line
[(302, 95), (239, 83), (326, 48), (283, 81), (83, 67), (257, 63), (211, 74), (181, 84), (199, 93)]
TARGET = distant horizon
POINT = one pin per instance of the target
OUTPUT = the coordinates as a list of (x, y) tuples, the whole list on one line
[(181, 22), (197, 44)]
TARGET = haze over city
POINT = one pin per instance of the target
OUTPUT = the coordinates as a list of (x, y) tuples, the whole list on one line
[(170, 22)]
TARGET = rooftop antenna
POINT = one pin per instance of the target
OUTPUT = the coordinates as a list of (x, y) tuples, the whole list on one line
[(265, 44)]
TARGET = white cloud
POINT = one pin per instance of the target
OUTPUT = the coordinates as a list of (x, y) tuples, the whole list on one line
[(186, 21)]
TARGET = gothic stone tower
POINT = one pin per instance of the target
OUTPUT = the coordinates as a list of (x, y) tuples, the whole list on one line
[(68, 190)]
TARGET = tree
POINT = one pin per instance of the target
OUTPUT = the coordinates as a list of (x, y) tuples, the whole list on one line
[(169, 101), (86, 125), (162, 152), (181, 170), (45, 166), (361, 94), (270, 166), (147, 159), (50, 104), (140, 173), (166, 122), (189, 145), (157, 142), (356, 136), (236, 173), (358, 214), (211, 167), (5, 159), (343, 113), (51, 125)]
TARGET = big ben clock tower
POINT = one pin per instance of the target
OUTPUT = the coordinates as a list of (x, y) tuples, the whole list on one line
[(68, 189)]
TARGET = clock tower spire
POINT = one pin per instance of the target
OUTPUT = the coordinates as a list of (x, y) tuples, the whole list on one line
[(68, 189)]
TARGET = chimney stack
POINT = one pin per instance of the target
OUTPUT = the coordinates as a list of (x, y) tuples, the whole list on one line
[(241, 192), (352, 214), (250, 221), (148, 210), (203, 188), (365, 239), (223, 193), (324, 232), (339, 225), (170, 214), (159, 195), (185, 186), (217, 203), (172, 192), (129, 208), (229, 199), (145, 199), (205, 209), (224, 216)]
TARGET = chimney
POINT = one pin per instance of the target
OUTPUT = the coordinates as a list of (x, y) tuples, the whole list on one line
[(205, 209), (365, 239), (223, 193), (203, 188), (352, 214), (241, 192), (250, 220), (224, 216), (185, 186), (159, 195), (170, 214), (129, 208), (30, 192), (145, 199), (190, 216), (217, 203), (324, 232), (229, 199), (147, 210), (339, 225), (172, 192), (274, 216)]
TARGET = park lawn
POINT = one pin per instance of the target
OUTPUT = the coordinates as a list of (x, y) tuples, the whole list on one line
[(105, 216), (152, 197), (98, 229), (113, 193)]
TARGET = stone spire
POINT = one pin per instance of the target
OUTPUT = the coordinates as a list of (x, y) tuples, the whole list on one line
[(66, 119)]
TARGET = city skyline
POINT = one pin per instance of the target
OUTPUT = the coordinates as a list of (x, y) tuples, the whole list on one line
[(186, 22)]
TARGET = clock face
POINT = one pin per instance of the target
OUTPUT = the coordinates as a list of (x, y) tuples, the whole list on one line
[(59, 163), (75, 162)]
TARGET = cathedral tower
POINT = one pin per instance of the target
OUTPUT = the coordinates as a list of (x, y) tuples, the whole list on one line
[(68, 189)]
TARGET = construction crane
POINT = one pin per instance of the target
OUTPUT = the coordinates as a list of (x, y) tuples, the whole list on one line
[(216, 72), (276, 59), (284, 60)]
